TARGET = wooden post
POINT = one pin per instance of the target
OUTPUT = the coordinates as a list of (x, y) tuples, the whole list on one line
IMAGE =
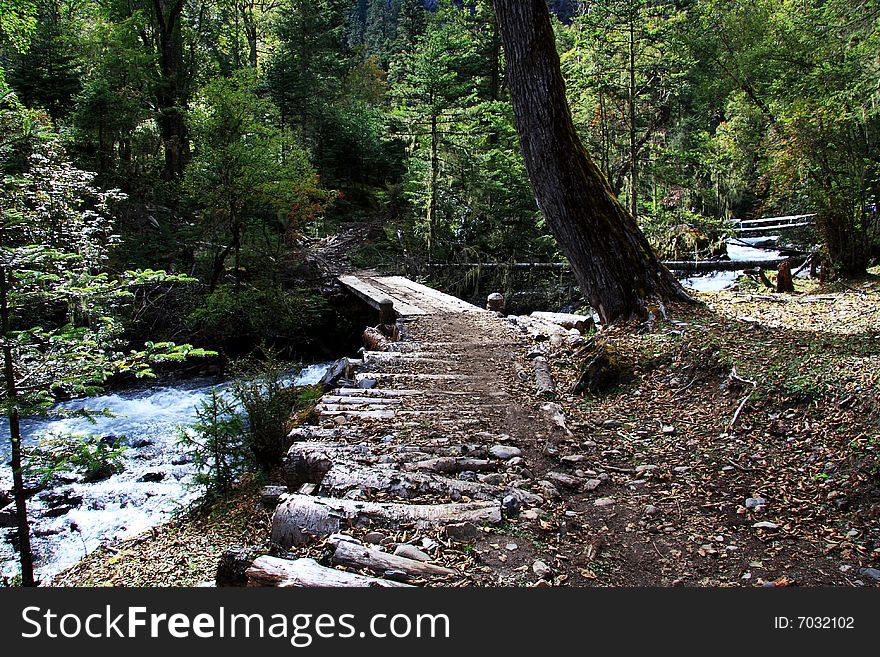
[(495, 302), (387, 314), (784, 280)]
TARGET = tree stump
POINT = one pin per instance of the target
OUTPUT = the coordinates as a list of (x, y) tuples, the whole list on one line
[(601, 370), (784, 280), (495, 302)]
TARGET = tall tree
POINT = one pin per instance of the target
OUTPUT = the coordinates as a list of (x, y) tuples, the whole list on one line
[(612, 260)]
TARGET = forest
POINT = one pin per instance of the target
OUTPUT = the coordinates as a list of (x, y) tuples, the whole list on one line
[(184, 180)]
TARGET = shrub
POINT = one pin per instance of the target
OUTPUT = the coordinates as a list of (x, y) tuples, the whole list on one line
[(263, 389), (235, 314), (216, 440)]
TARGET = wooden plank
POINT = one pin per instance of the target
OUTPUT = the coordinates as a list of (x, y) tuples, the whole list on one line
[(774, 227), (376, 392), (373, 296), (441, 298), (730, 265)]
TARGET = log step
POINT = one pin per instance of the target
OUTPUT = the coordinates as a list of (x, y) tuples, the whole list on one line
[(378, 562), (361, 400), (308, 573), (299, 519), (376, 392), (417, 376)]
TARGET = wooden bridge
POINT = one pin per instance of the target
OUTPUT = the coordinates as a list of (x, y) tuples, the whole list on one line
[(417, 446), (773, 225), (410, 298)]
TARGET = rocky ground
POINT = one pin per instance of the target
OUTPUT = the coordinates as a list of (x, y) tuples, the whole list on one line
[(738, 447)]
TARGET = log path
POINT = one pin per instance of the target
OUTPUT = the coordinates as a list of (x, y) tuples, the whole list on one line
[(425, 441)]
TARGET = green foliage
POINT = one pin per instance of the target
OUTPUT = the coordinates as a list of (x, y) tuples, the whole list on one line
[(679, 234), (246, 174), (216, 442), (263, 390), (62, 330), (94, 457), (18, 18), (246, 314), (465, 179), (625, 65), (803, 78)]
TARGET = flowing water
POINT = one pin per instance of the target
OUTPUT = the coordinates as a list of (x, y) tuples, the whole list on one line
[(737, 250), (71, 520)]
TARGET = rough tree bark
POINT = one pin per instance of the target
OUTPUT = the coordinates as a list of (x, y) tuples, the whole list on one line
[(610, 257), (26, 557), (171, 93)]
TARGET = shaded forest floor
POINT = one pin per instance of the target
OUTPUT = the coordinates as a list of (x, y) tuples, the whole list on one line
[(742, 450)]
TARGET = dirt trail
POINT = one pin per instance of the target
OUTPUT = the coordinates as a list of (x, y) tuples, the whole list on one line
[(639, 487)]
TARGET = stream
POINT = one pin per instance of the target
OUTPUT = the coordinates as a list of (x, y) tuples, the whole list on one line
[(70, 520), (738, 249)]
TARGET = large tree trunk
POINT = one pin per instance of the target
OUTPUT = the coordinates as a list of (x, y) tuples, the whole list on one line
[(610, 257), (26, 557), (171, 93)]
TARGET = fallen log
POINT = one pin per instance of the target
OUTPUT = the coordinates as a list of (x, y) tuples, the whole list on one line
[(308, 573), (566, 320), (544, 379), (339, 469), (363, 557), (450, 464), (299, 519)]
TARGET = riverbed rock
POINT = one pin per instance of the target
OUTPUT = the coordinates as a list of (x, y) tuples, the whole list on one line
[(462, 532), (493, 479), (549, 489), (7, 517), (233, 564), (505, 452), (542, 570), (511, 505), (563, 480), (152, 477), (870, 573), (411, 552), (59, 503)]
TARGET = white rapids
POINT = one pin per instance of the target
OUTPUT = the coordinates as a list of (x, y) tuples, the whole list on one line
[(125, 504)]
